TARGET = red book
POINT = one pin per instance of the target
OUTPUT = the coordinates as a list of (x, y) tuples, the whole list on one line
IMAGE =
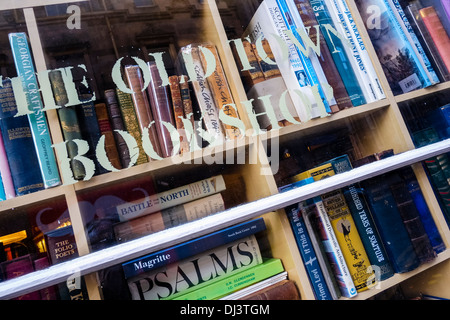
[(17, 267)]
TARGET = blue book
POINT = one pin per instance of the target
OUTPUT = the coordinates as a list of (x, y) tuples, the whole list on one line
[(190, 248), (370, 237), (310, 72), (400, 64), (19, 145), (337, 51), (439, 119), (2, 190), (307, 252), (38, 121)]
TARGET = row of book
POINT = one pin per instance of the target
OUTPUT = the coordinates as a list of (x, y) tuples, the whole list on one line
[(352, 238), (311, 49), (229, 264)]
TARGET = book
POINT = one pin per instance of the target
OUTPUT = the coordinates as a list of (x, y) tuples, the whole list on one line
[(68, 120), (390, 225), (439, 118), (161, 107), (49, 293), (316, 214), (402, 20), (203, 93), (171, 198), (362, 216), (143, 112), (167, 218), (398, 60), (17, 140), (5, 171), (269, 70), (130, 121), (190, 248), (17, 267), (437, 32), (283, 290), (109, 141), (221, 92), (344, 228), (309, 58), (235, 282), (249, 75), (187, 106), (178, 111), (338, 52), (38, 121), (196, 271), (117, 125), (325, 58)]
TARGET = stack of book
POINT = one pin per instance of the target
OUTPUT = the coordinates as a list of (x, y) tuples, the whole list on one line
[(354, 237), (227, 264)]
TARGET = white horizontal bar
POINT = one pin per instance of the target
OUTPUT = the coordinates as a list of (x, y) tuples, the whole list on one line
[(20, 4), (158, 241)]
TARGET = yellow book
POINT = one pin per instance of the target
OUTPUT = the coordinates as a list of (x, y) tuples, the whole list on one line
[(344, 228)]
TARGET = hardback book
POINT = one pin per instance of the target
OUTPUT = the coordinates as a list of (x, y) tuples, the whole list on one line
[(362, 216), (309, 59), (68, 120), (130, 120), (266, 22), (117, 125), (178, 111), (390, 225), (402, 20), (167, 218), (309, 20), (269, 70), (49, 293), (316, 214), (17, 267), (338, 52), (438, 33), (171, 281), (398, 60), (283, 290), (187, 105), (17, 139), (142, 109), (38, 120), (221, 92), (106, 132), (203, 94), (235, 282), (161, 107), (252, 73), (5, 171), (191, 248), (439, 118), (344, 228), (171, 198)]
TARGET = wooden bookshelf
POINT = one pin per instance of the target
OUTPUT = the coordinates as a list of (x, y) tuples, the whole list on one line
[(380, 126)]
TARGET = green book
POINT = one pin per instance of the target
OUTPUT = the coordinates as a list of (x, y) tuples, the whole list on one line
[(38, 121), (235, 282)]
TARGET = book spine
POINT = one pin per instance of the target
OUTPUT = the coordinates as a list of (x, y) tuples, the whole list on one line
[(171, 198), (221, 92), (178, 111), (308, 253), (437, 32), (342, 24), (328, 65), (269, 70), (199, 270), (187, 105), (68, 120), (235, 282), (255, 74), (209, 111), (5, 172), (16, 268), (106, 131), (161, 109), (280, 6), (168, 218), (191, 248), (90, 131), (17, 139), (131, 124), (117, 125), (338, 52), (142, 106), (412, 38), (38, 121), (284, 290), (49, 293)]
